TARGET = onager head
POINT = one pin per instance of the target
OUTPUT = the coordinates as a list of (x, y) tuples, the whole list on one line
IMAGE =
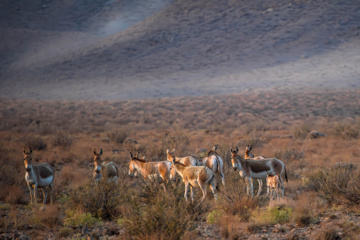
[(234, 155), (132, 165), (27, 159), (248, 153), (171, 158), (97, 163)]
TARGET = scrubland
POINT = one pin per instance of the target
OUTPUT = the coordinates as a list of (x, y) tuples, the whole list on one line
[(321, 200)]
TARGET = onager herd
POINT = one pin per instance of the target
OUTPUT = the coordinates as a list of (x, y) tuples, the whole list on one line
[(194, 173)]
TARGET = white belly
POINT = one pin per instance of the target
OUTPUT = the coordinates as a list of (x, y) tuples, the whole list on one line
[(45, 181)]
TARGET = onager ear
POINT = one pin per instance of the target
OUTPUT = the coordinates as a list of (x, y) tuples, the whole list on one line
[(94, 151), (250, 147), (237, 149), (30, 150), (167, 151), (131, 156), (101, 151), (173, 151), (24, 150)]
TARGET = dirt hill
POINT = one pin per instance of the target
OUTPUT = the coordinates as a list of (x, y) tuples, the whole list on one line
[(141, 49)]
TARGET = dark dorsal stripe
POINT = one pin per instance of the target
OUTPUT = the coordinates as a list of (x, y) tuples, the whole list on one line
[(138, 159)]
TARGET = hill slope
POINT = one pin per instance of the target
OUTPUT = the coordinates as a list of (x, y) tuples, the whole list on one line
[(141, 49)]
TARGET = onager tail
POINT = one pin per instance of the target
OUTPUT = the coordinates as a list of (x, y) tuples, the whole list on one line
[(286, 178)]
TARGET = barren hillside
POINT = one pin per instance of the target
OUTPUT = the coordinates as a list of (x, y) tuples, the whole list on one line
[(141, 49)]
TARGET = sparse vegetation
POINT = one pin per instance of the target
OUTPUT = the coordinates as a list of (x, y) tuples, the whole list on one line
[(314, 178)]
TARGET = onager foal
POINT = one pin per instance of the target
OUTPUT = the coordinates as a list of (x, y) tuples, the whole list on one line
[(274, 185), (38, 176), (150, 170), (109, 168), (215, 163), (187, 161), (194, 176), (256, 169)]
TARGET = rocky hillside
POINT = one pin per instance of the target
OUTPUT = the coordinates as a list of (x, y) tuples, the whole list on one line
[(140, 49)]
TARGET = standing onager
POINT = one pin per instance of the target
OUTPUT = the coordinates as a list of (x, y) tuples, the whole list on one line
[(38, 176), (150, 170), (274, 185), (215, 163), (110, 169), (257, 169), (193, 176), (187, 161), (249, 155)]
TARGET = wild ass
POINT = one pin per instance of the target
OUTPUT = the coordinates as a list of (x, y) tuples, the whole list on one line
[(215, 163), (38, 176), (150, 170), (257, 169), (274, 185), (187, 161), (249, 155), (194, 176), (109, 168)]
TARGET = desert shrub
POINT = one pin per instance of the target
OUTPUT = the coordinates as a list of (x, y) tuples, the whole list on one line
[(62, 139), (302, 131), (305, 208), (329, 234), (157, 214), (255, 126), (117, 136), (35, 143), (50, 216), (76, 219), (288, 155), (233, 199), (213, 216), (346, 130), (99, 200), (178, 140), (14, 194), (64, 232), (272, 215), (338, 185)]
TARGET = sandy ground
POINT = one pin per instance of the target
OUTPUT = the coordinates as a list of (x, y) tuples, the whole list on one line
[(148, 49)]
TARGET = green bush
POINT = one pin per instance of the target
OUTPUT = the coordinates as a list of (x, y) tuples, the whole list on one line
[(275, 215), (213, 216), (76, 219)]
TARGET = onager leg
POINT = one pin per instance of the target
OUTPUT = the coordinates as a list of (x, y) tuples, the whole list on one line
[(250, 188), (31, 194), (187, 186), (260, 187), (203, 189), (192, 193), (212, 185), (51, 193), (45, 193), (35, 193)]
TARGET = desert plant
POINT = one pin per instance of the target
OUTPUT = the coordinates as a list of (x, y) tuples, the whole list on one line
[(288, 155), (117, 136), (35, 143), (62, 139), (272, 215), (339, 185), (77, 219), (346, 130), (302, 131)]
